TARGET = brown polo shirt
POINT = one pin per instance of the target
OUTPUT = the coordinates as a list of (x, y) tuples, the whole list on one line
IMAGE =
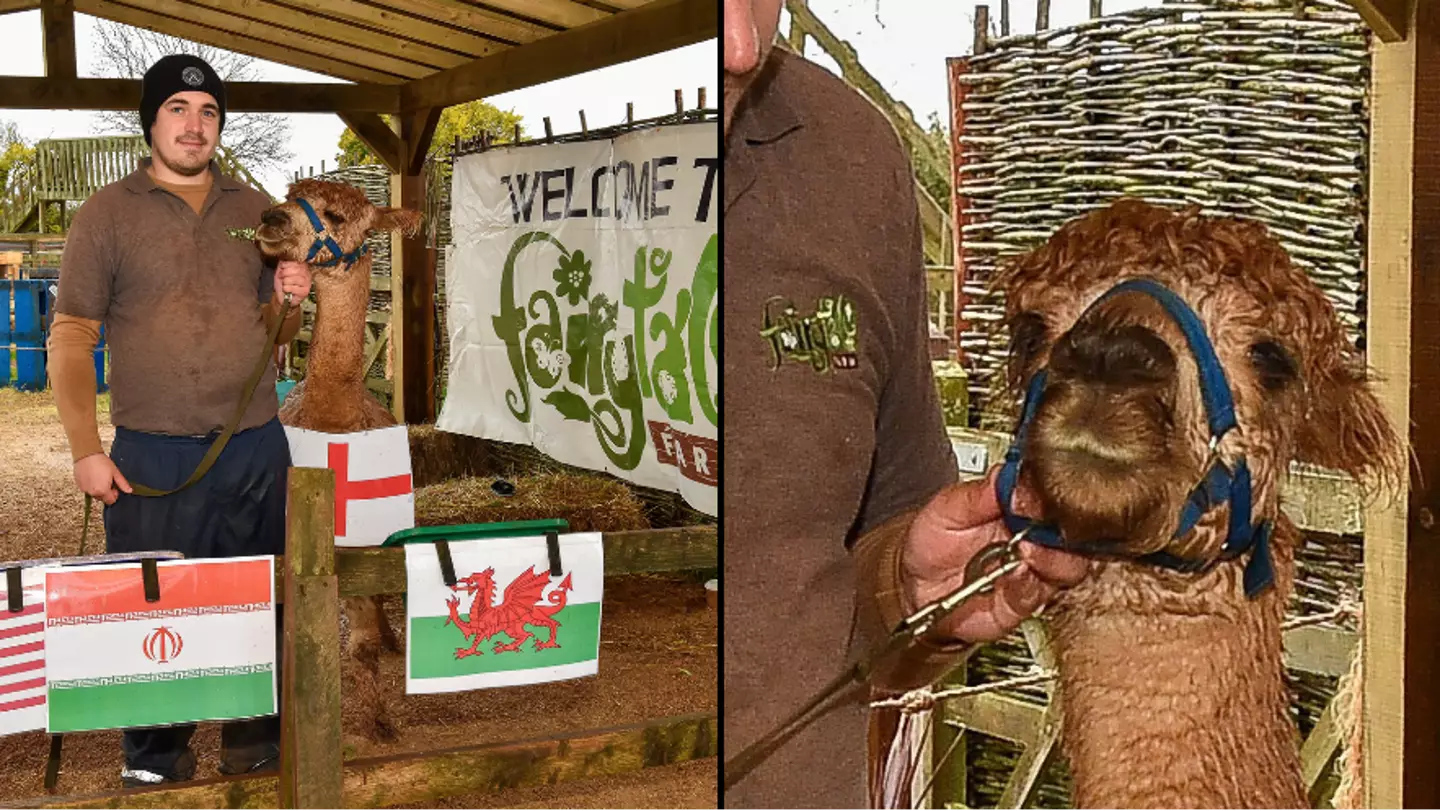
[(181, 301), (832, 426)]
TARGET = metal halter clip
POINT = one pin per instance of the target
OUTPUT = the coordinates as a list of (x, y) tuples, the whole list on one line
[(977, 582)]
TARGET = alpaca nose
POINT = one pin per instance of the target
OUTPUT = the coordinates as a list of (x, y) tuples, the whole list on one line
[(1123, 355), (274, 218)]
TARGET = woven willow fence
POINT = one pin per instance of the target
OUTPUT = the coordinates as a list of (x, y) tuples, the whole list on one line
[(1255, 108)]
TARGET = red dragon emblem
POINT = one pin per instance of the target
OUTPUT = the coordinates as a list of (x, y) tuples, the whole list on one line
[(520, 606)]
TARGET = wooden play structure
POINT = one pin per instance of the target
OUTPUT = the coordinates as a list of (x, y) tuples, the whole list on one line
[(67, 171), (1351, 81)]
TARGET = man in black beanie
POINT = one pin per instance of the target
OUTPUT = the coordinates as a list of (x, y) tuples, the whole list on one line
[(187, 311)]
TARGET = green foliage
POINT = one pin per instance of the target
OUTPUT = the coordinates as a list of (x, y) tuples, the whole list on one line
[(15, 155), (463, 121), (935, 179)]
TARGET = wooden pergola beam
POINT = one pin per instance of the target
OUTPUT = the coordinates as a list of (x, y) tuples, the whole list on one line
[(42, 93), (372, 130), (660, 26), (10, 6), (1389, 19), (179, 19), (57, 21), (1402, 539)]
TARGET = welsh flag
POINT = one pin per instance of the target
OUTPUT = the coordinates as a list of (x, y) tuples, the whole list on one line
[(507, 621), (22, 656), (374, 497), (204, 652)]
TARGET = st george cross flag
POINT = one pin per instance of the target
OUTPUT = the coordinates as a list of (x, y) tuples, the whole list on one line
[(204, 652), (507, 621), (373, 494), (22, 656)]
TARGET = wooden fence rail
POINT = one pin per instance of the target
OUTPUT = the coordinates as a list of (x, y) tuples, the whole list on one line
[(310, 579)]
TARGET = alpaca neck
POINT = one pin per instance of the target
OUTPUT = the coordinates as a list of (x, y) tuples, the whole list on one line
[(1167, 708), (337, 350)]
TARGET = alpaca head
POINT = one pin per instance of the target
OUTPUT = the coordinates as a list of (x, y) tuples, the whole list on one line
[(1120, 436), (346, 215)]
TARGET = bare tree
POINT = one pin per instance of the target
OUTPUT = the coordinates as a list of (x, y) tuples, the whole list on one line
[(257, 140)]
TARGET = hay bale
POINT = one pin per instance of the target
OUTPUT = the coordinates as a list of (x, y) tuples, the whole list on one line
[(437, 456), (589, 503)]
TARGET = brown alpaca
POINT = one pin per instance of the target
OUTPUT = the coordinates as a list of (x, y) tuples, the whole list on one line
[(332, 397), (1171, 684)]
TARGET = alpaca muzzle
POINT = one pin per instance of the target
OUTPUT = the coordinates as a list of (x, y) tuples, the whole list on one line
[(1220, 484)]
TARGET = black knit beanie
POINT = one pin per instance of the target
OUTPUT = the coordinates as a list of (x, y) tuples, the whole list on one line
[(173, 74)]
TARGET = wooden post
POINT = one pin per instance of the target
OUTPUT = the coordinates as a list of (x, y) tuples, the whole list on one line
[(1096, 8), (1004, 18), (413, 286), (1402, 538), (982, 29), (57, 20), (957, 68), (701, 104), (517, 134), (1042, 15), (584, 128), (549, 133), (310, 758)]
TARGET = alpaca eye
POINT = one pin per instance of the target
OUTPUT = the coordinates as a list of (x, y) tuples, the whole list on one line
[(334, 218), (1027, 337), (1273, 364)]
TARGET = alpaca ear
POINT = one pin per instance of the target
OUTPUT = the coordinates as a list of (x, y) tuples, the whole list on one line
[(403, 220), (1345, 428)]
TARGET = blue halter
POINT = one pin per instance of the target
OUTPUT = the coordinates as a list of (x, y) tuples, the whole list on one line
[(324, 240), (1220, 484)]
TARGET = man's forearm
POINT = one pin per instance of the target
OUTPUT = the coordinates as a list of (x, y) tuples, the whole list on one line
[(881, 605), (72, 376), (291, 327)]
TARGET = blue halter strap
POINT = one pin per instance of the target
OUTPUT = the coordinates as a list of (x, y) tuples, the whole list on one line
[(1221, 483), (324, 240)]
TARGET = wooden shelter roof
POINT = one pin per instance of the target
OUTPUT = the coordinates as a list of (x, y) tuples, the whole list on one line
[(401, 54)]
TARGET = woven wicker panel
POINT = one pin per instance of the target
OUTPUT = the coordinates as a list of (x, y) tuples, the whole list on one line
[(1246, 107)]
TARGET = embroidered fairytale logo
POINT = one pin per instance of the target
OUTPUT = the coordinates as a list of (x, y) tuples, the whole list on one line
[(192, 76), (825, 339)]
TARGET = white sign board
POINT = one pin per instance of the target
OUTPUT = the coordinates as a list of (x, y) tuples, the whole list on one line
[(374, 494), (583, 310)]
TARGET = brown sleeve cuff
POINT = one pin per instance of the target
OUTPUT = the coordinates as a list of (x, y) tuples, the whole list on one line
[(881, 605), (72, 375)]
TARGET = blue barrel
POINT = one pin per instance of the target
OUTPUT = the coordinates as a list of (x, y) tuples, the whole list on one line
[(100, 385), (5, 336), (29, 333)]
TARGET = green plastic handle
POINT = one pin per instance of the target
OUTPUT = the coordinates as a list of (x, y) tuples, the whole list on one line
[(472, 532)]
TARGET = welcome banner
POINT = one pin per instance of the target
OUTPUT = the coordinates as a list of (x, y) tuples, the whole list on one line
[(582, 291)]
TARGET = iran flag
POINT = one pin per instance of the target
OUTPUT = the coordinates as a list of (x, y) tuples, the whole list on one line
[(204, 652), (508, 621), (22, 656), (373, 494)]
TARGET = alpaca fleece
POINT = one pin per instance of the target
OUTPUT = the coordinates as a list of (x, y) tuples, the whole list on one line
[(332, 397), (1172, 685)]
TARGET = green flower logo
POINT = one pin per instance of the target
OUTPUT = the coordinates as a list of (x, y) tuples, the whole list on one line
[(573, 277)]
